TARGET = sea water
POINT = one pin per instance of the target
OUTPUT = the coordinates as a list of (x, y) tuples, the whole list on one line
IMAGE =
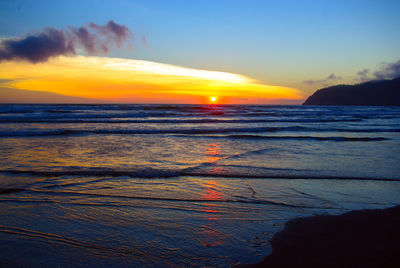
[(182, 185)]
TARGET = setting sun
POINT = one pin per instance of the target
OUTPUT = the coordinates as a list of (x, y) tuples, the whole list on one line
[(213, 99)]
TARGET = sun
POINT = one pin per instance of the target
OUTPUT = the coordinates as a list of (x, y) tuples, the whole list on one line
[(213, 99)]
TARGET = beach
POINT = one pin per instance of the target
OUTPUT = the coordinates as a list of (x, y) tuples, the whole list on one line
[(184, 185), (364, 238)]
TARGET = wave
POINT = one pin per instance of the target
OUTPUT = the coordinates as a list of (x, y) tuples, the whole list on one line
[(109, 204), (261, 137), (187, 131), (239, 199), (153, 198), (165, 174), (141, 173), (132, 114), (169, 121)]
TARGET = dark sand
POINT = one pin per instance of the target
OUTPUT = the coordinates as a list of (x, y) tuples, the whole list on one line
[(365, 238)]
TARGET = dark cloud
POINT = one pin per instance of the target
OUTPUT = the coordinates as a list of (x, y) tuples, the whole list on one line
[(37, 48), (331, 78), (51, 42), (83, 36)]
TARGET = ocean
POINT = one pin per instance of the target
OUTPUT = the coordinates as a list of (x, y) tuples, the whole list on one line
[(182, 185)]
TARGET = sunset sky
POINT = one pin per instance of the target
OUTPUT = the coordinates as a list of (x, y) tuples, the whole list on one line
[(261, 52)]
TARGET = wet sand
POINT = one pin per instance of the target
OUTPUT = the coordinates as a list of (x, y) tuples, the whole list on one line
[(364, 238)]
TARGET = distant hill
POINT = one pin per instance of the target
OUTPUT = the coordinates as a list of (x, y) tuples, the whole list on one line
[(12, 95), (373, 93)]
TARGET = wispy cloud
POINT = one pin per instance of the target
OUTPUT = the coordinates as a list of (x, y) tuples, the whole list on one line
[(364, 75), (4, 81), (39, 47), (145, 42), (386, 71), (332, 78)]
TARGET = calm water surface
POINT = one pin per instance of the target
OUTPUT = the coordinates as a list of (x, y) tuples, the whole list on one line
[(182, 185)]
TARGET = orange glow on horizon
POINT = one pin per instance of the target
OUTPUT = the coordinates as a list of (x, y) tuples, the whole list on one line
[(136, 81)]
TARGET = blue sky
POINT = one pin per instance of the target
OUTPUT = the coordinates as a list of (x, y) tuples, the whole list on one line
[(277, 42)]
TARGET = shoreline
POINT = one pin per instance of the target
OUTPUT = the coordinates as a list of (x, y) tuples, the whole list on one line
[(360, 238)]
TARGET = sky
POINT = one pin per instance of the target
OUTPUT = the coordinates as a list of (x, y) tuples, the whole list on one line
[(261, 52)]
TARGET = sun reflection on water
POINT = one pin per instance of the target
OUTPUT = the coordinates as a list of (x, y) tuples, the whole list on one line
[(211, 236), (212, 191), (213, 151)]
